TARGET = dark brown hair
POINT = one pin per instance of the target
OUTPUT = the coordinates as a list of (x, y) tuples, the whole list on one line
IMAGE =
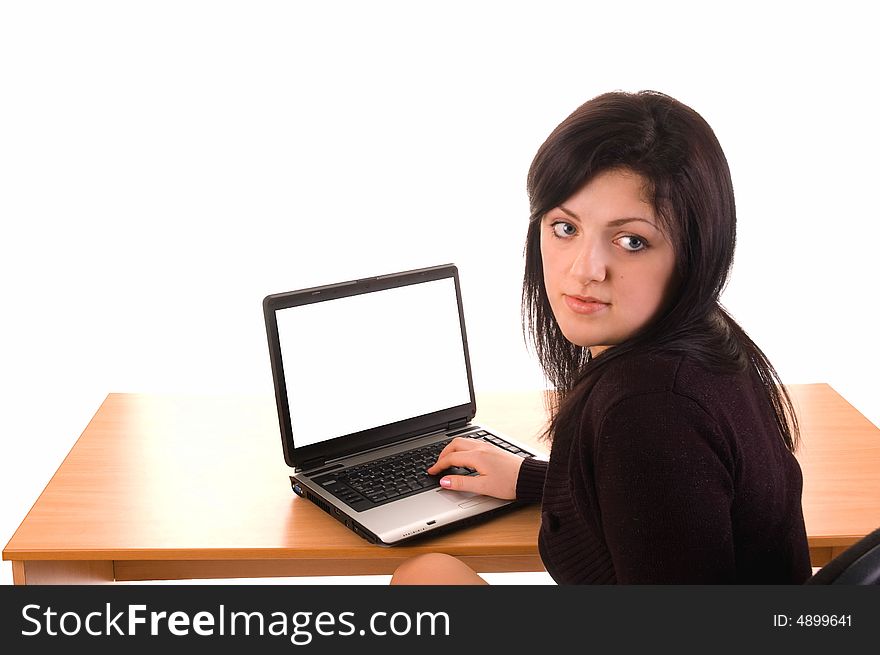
[(688, 184)]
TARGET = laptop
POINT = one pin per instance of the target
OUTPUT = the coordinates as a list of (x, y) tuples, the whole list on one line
[(372, 379)]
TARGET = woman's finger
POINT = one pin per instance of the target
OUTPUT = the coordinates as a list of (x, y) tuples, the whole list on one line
[(464, 458), (475, 483)]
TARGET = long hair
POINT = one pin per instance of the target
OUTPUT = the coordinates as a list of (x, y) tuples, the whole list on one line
[(675, 150)]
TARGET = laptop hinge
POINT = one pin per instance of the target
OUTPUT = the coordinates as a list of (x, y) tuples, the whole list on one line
[(457, 424), (312, 463)]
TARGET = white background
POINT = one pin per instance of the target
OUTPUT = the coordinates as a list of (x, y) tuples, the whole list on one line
[(165, 165)]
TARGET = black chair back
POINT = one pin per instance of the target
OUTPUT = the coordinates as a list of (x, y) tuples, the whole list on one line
[(859, 564)]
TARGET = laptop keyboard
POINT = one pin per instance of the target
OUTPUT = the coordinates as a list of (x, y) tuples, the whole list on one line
[(400, 475)]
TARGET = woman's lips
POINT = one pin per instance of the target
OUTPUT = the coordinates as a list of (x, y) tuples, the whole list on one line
[(579, 306)]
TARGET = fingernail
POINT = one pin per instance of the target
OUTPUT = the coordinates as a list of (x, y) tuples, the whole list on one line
[(445, 483)]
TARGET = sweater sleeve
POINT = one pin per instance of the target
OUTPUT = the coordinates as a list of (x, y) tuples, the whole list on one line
[(530, 482), (664, 479)]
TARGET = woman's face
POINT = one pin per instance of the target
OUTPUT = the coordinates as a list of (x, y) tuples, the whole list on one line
[(607, 266)]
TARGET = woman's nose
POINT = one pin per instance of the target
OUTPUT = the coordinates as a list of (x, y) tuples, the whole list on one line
[(589, 264)]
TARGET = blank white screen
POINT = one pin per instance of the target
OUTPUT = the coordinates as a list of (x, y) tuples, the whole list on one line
[(369, 360)]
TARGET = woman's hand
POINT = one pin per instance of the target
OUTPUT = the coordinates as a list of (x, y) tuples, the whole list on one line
[(498, 469)]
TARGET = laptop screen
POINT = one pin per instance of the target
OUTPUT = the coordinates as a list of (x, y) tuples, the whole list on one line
[(368, 360)]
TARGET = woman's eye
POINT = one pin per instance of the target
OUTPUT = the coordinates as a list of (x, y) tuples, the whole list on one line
[(563, 230), (632, 243)]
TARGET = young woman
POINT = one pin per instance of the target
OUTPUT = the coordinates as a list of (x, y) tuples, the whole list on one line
[(672, 439)]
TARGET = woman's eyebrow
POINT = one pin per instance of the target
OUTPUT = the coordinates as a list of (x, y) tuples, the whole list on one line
[(570, 213), (615, 223), (622, 221)]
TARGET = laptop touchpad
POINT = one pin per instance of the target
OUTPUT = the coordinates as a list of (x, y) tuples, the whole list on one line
[(457, 497)]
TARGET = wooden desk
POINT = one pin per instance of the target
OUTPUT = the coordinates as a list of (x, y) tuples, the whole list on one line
[(170, 487)]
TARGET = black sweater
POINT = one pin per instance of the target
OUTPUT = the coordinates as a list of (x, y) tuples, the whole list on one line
[(676, 475)]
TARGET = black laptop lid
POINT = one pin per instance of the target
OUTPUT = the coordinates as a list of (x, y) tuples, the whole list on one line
[(364, 363)]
